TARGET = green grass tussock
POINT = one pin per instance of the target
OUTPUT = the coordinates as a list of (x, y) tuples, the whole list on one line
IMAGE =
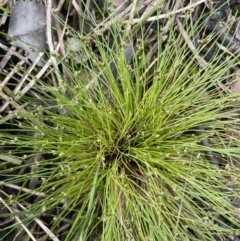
[(147, 152)]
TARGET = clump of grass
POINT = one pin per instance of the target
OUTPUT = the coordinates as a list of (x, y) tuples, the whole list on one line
[(146, 153)]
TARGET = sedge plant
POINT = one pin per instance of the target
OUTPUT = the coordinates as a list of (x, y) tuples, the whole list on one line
[(146, 149)]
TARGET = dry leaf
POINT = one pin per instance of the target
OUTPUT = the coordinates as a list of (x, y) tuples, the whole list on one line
[(235, 88), (27, 28)]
